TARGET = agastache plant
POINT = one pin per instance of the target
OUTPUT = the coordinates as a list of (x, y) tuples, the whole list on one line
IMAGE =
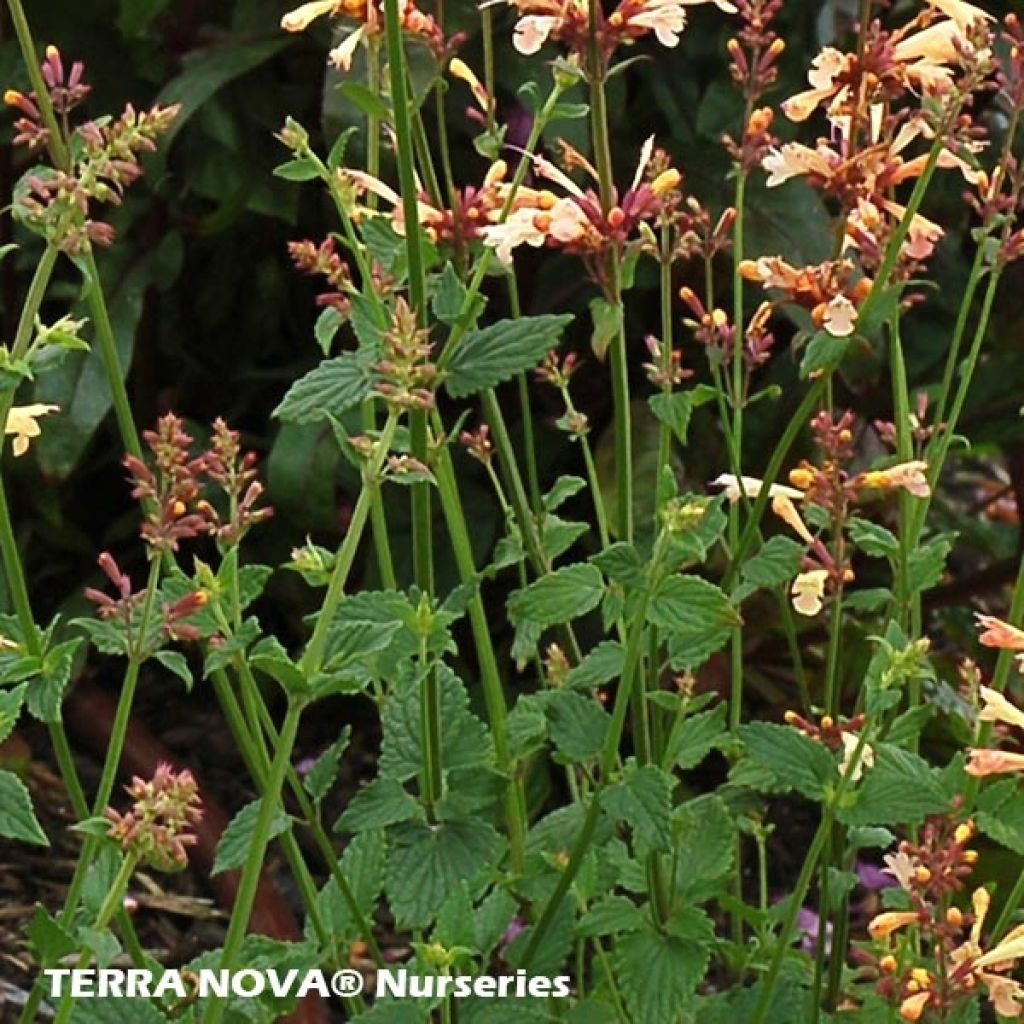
[(648, 613)]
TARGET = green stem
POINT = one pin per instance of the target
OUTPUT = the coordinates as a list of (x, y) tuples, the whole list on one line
[(779, 454), (796, 899), (246, 895), (404, 144), (313, 658), (431, 777), (607, 761), (905, 452), (936, 458), (119, 730), (321, 839), (665, 308), (258, 764), (113, 902), (978, 268), (490, 678), (525, 411), (108, 353), (623, 425)]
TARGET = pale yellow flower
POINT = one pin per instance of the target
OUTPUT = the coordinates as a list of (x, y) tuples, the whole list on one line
[(734, 487), (22, 423), (341, 56), (865, 760), (998, 709), (901, 866), (304, 15), (965, 15), (459, 69), (807, 592)]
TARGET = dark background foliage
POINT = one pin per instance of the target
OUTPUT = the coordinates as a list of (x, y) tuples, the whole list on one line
[(215, 321)]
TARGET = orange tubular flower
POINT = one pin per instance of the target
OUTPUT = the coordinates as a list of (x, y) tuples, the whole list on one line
[(882, 926)]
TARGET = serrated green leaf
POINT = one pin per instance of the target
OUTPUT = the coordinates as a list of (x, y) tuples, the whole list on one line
[(824, 352), (10, 709), (695, 737), (1001, 814), (610, 916), (790, 756), (322, 776), (697, 617), (577, 724), (900, 789), (332, 388), (383, 802), (658, 973), (927, 563), (50, 941), (705, 842), (559, 596), (564, 488), (601, 665), (175, 662), (17, 819), (776, 563), (362, 865), (872, 539), (428, 861), (466, 743), (486, 357), (643, 799), (236, 841)]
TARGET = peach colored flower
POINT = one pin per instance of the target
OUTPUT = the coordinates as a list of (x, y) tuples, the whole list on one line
[(532, 31), (840, 318), (914, 1005), (1000, 634), (982, 762), (908, 475), (783, 507)]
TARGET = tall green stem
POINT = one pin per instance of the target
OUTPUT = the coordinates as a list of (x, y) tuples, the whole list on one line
[(623, 425), (404, 142), (247, 887), (490, 678), (608, 756), (111, 361), (314, 655)]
